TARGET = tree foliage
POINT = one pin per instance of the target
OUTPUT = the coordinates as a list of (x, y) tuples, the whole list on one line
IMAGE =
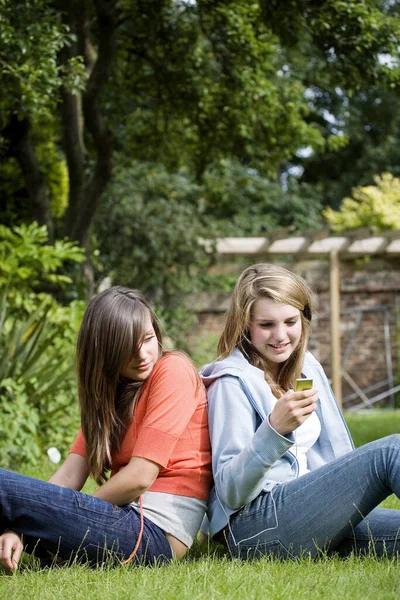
[(31, 38), (346, 56), (239, 199), (369, 123), (178, 83), (374, 206), (347, 36), (158, 220)]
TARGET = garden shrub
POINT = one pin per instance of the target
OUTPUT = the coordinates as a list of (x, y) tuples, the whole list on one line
[(38, 399)]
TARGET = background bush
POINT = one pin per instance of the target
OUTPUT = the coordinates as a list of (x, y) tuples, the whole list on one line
[(38, 400)]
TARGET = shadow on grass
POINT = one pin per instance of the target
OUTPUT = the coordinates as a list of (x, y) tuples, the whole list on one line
[(207, 549)]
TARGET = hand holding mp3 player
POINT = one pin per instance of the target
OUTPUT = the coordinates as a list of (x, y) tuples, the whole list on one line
[(292, 408)]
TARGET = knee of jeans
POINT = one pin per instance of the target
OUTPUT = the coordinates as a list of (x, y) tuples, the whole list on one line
[(394, 439), (392, 442)]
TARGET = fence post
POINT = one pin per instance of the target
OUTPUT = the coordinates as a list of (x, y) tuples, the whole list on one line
[(334, 293)]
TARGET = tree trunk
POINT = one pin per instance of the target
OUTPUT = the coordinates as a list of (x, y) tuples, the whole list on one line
[(18, 132), (82, 115)]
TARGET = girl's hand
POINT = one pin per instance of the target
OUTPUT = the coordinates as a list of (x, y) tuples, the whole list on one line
[(10, 550), (292, 409)]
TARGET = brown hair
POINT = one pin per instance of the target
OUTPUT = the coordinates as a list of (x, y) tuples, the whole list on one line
[(112, 330), (283, 287)]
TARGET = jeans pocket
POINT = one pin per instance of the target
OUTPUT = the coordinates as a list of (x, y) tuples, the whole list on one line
[(273, 548), (100, 511)]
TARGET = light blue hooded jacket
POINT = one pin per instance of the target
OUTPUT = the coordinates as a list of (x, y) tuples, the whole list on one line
[(248, 455)]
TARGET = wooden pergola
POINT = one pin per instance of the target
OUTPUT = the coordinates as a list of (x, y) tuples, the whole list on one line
[(317, 244)]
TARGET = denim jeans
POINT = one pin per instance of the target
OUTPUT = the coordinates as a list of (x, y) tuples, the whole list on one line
[(69, 524), (325, 509)]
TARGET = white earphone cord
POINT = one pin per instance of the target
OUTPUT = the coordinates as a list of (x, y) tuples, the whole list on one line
[(256, 534)]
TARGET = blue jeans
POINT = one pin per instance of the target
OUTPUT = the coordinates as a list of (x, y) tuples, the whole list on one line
[(69, 524), (325, 509)]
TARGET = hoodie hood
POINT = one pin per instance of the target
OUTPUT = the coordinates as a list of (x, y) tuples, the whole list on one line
[(235, 364)]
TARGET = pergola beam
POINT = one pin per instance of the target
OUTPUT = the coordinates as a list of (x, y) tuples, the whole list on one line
[(357, 243)]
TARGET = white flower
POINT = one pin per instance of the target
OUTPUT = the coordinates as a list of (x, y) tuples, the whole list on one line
[(54, 455)]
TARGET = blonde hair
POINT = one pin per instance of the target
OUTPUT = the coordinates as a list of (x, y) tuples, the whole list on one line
[(283, 287), (112, 330)]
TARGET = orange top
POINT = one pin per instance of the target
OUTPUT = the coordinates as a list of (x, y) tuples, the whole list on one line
[(170, 428)]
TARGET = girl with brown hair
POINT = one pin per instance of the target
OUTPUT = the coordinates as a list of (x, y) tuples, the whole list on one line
[(143, 417), (287, 480)]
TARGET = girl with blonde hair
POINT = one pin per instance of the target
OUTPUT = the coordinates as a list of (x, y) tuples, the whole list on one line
[(287, 479), (144, 419)]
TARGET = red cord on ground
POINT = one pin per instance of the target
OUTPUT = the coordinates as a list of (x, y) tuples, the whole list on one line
[(140, 533)]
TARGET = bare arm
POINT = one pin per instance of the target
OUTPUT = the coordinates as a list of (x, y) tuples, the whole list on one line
[(73, 472), (129, 483)]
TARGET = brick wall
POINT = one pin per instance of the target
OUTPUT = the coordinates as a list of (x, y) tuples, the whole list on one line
[(363, 286)]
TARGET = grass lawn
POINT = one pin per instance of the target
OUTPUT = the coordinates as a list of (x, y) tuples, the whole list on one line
[(208, 573)]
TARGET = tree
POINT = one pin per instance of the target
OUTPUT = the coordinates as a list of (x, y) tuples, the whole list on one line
[(182, 83), (31, 38), (44, 47), (351, 78)]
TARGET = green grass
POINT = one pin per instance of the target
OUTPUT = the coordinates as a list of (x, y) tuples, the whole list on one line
[(214, 578), (370, 426), (207, 572)]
